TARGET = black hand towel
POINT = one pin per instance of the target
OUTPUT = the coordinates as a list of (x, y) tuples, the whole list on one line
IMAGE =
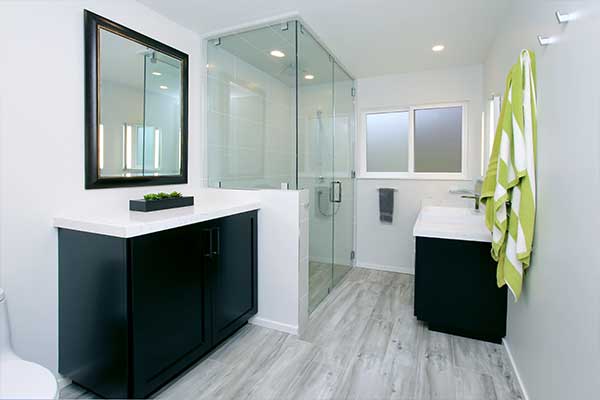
[(386, 204)]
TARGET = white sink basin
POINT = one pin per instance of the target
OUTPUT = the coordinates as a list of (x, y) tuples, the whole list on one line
[(452, 223)]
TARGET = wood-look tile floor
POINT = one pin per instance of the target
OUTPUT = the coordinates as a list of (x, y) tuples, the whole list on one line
[(321, 278), (362, 342)]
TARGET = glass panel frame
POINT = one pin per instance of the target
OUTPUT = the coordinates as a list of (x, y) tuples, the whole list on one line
[(323, 130), (251, 109)]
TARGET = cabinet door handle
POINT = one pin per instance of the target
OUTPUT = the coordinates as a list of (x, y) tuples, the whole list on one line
[(210, 243), (217, 251)]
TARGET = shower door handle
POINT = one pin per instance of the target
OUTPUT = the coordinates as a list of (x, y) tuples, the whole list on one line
[(338, 198), (332, 192)]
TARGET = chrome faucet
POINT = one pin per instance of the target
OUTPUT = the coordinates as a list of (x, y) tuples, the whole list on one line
[(476, 197)]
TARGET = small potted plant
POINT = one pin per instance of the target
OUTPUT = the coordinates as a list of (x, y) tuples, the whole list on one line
[(160, 201)]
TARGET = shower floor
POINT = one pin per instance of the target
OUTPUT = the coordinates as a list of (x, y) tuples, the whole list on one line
[(319, 281)]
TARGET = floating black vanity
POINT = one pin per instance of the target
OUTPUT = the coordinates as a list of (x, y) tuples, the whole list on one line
[(134, 312), (455, 275)]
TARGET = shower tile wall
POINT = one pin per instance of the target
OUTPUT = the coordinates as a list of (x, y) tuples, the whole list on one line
[(251, 125)]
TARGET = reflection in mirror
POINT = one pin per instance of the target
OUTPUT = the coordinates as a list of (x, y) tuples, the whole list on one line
[(135, 106), (139, 110)]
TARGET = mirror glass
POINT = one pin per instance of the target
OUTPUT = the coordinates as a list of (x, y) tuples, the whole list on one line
[(139, 109)]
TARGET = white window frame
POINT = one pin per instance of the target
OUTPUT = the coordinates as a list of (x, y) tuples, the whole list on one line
[(411, 174)]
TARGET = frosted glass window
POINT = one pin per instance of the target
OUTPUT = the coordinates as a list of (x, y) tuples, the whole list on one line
[(438, 140), (387, 142)]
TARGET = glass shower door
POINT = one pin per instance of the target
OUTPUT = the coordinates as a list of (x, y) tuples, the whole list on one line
[(315, 158), (343, 165)]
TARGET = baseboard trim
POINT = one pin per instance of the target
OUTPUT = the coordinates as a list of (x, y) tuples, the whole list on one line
[(389, 268), (278, 326), (512, 362), (63, 382)]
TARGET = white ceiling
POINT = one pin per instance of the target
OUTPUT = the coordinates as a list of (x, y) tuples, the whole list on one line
[(369, 37)]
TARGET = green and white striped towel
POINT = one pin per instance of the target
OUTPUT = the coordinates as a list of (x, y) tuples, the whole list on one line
[(509, 191)]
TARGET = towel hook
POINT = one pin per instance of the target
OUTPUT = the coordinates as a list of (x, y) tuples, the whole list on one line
[(546, 40), (564, 18)]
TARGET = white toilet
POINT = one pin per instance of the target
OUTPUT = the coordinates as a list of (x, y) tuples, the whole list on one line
[(20, 379)]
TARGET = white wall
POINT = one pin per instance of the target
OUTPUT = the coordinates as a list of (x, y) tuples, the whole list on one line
[(42, 147), (390, 246), (554, 329)]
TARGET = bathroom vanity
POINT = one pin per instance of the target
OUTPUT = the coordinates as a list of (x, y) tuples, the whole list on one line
[(142, 296), (455, 275)]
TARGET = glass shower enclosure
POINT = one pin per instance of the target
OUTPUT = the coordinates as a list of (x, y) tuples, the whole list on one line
[(281, 114)]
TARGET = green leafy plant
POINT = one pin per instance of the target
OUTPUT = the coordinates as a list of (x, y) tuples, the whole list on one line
[(161, 195)]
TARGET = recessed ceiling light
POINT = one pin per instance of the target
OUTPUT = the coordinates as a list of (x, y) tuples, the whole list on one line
[(156, 73), (277, 53), (163, 87), (309, 77), (438, 47)]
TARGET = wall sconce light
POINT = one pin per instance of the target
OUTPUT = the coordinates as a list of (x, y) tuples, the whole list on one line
[(101, 146), (156, 148), (128, 147)]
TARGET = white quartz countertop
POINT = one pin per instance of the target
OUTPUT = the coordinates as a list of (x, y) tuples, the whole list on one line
[(125, 224), (452, 223)]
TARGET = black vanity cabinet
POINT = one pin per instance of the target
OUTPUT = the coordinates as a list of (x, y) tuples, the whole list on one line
[(233, 284), (456, 291), (135, 312), (170, 314)]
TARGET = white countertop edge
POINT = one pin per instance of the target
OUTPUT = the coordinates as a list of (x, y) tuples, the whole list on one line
[(133, 229), (452, 236)]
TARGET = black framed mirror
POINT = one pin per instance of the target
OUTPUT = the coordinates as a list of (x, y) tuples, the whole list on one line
[(136, 108)]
